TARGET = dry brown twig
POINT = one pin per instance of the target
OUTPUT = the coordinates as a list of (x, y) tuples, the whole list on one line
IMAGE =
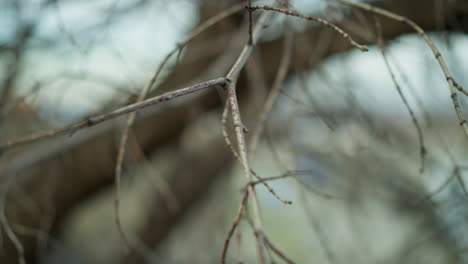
[(144, 92), (319, 20), (241, 154), (225, 133), (236, 155), (98, 119), (456, 171), (456, 167), (276, 86), (94, 120), (453, 86), (263, 181), (133, 107), (242, 150), (288, 174), (282, 176), (235, 223), (239, 128), (229, 82)]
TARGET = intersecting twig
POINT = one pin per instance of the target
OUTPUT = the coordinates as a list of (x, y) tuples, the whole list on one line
[(268, 187), (453, 86), (136, 106), (242, 151), (282, 176), (144, 92), (231, 79), (322, 21), (225, 133), (97, 119), (430, 125)]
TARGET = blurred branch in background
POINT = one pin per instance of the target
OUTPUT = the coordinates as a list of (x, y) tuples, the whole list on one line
[(309, 105)]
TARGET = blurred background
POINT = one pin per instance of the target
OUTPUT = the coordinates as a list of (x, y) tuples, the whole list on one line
[(367, 183)]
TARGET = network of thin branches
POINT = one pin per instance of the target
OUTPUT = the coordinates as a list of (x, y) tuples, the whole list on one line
[(253, 131)]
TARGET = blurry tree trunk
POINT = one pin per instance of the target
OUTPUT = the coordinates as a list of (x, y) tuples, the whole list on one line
[(57, 174)]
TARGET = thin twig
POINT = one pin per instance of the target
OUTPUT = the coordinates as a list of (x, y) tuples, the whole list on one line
[(453, 86), (242, 150), (235, 223), (422, 148), (136, 106), (460, 88), (322, 21), (282, 176), (97, 119), (236, 155), (264, 182), (144, 92), (430, 124), (225, 133), (239, 128), (211, 21)]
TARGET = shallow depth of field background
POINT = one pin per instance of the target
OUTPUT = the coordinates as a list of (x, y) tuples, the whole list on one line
[(360, 198)]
